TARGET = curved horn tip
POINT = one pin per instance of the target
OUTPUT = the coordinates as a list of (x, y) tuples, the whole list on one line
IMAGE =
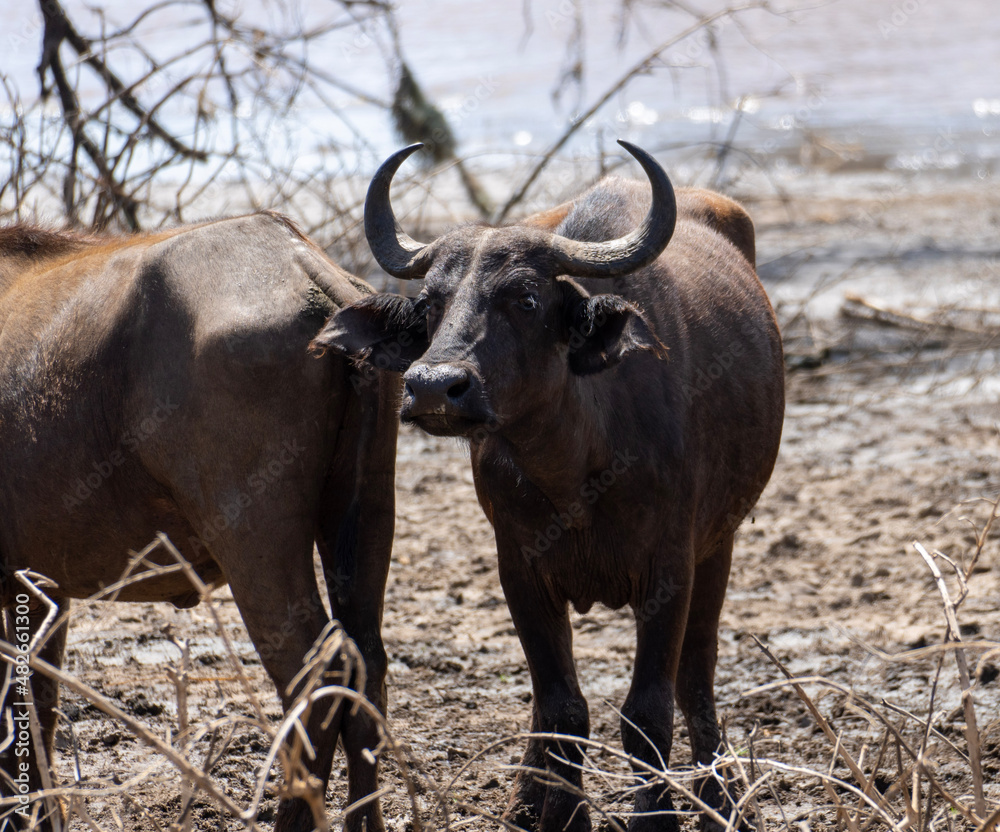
[(410, 148), (393, 250), (396, 159), (639, 154), (654, 170), (636, 249)]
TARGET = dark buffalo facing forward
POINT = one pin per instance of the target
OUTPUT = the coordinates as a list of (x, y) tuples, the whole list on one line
[(164, 383), (623, 400)]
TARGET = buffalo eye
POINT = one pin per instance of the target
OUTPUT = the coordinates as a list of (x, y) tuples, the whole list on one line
[(528, 301), (432, 308)]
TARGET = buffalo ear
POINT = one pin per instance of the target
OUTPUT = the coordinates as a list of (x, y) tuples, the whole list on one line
[(388, 331), (603, 330)]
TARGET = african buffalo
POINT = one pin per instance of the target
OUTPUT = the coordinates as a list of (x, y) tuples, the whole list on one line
[(163, 382), (623, 401)]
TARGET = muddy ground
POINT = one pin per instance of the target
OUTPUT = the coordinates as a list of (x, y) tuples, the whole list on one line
[(891, 436)]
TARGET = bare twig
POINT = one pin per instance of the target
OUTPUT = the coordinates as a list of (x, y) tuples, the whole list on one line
[(954, 636), (643, 66)]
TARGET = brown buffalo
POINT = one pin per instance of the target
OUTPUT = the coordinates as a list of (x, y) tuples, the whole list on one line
[(164, 383), (623, 401)]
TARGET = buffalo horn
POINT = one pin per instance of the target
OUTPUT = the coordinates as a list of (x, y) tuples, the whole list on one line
[(396, 252), (635, 250)]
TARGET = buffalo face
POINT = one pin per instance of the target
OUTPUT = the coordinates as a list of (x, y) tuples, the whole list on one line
[(500, 328), (494, 337)]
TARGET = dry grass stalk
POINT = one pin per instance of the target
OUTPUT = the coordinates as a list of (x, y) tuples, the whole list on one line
[(133, 725), (954, 636), (915, 796), (289, 743), (898, 781), (848, 760), (856, 306)]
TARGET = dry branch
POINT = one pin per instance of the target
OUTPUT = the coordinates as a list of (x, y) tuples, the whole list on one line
[(102, 703), (289, 743), (857, 307), (954, 636), (643, 66)]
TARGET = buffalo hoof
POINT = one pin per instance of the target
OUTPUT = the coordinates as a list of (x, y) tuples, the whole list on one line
[(719, 798), (365, 820), (535, 807), (564, 812), (651, 806), (296, 816), (527, 799), (520, 816), (706, 824)]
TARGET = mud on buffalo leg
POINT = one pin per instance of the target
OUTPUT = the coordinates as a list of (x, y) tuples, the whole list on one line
[(275, 590), (648, 713), (558, 705), (696, 674), (45, 692)]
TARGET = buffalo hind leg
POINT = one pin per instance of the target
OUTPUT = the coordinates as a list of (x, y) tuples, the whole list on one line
[(283, 613), (45, 693), (354, 538), (696, 674), (647, 722), (355, 575), (558, 705)]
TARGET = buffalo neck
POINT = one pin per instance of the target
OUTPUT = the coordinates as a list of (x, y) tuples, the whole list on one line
[(585, 433)]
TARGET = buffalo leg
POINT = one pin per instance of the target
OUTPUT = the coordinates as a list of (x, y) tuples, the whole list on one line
[(648, 713), (356, 577), (45, 693), (279, 600), (357, 515), (558, 705), (696, 674)]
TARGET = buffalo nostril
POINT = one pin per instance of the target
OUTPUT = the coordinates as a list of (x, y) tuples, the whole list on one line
[(407, 390), (456, 391)]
